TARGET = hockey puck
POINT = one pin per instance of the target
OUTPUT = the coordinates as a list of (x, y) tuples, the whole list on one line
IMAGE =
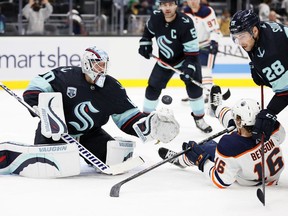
[(166, 99)]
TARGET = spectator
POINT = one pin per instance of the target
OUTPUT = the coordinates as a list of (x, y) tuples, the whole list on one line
[(78, 24), (224, 22), (264, 10), (36, 12), (273, 16), (2, 23), (284, 6), (145, 8)]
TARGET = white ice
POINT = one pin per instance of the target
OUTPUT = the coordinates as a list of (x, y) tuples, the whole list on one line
[(166, 190)]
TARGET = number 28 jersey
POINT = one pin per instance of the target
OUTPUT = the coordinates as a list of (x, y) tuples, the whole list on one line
[(269, 55)]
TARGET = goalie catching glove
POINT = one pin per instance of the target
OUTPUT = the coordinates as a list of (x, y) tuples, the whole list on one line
[(158, 125)]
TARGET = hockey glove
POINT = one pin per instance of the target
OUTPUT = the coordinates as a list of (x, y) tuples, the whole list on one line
[(159, 125), (213, 47), (265, 122), (196, 155), (256, 78), (145, 48), (189, 72)]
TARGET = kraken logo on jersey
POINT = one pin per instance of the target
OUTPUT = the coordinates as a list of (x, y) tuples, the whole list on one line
[(71, 92), (162, 42), (261, 53), (81, 112)]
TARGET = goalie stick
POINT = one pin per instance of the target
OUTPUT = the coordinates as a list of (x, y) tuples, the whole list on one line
[(110, 170), (115, 190), (225, 95)]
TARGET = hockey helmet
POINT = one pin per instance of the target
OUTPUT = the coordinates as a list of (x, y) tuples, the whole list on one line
[(246, 109), (95, 64), (244, 20)]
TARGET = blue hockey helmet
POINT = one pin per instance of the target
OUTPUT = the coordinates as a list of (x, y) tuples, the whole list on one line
[(244, 20)]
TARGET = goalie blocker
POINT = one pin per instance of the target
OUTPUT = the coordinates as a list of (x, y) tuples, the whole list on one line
[(39, 161)]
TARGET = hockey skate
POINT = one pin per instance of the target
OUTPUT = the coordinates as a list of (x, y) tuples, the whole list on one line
[(206, 99), (165, 153), (201, 124), (225, 96), (215, 99)]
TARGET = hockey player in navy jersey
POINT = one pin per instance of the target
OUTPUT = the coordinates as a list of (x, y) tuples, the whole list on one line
[(90, 97), (178, 44), (267, 46), (237, 156), (208, 33)]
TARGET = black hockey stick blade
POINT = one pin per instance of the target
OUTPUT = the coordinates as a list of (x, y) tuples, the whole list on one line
[(115, 190), (226, 95), (261, 196)]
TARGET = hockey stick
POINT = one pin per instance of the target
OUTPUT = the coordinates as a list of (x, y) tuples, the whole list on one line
[(230, 54), (110, 170), (115, 190), (225, 53), (225, 95), (261, 193)]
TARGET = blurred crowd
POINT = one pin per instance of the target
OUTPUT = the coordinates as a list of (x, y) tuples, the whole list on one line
[(37, 15)]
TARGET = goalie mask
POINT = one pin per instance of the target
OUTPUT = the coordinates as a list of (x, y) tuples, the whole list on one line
[(246, 109), (94, 64)]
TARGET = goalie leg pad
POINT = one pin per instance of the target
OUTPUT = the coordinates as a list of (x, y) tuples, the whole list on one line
[(119, 150), (39, 161)]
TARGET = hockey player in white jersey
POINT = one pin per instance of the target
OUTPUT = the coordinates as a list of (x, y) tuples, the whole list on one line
[(208, 33), (237, 156)]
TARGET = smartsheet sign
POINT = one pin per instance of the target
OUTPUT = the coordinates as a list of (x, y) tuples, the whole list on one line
[(39, 59)]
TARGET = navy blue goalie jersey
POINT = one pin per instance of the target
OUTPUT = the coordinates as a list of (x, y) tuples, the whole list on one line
[(86, 106)]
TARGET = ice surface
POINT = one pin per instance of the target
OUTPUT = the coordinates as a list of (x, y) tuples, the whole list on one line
[(166, 190)]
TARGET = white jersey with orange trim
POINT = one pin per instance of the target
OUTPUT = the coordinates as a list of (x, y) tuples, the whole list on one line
[(207, 28), (238, 158), (205, 22)]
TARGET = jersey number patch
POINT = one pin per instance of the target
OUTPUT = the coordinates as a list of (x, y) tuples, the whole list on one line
[(275, 71), (273, 162)]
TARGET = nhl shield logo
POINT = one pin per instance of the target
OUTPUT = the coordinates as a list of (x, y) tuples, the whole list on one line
[(71, 92)]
